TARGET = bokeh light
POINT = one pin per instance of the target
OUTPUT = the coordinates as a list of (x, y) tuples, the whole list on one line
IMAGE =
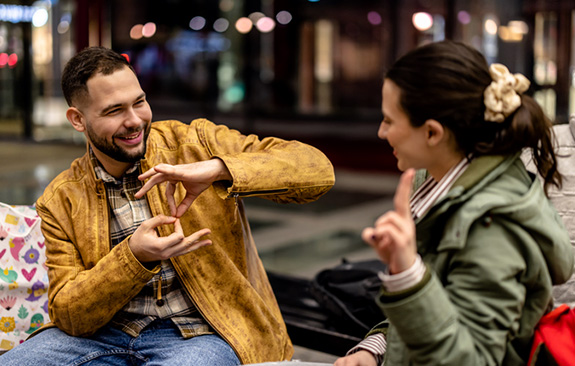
[(422, 21), (12, 60), (255, 16), (3, 59), (197, 23), (265, 25), (149, 29), (137, 31), (221, 25), (491, 26), (514, 31), (234, 94), (284, 17), (519, 26), (464, 17), (374, 18), (226, 5), (244, 25), (40, 18), (64, 24), (63, 27)]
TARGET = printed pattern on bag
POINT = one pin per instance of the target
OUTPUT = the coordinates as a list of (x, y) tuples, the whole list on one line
[(23, 275)]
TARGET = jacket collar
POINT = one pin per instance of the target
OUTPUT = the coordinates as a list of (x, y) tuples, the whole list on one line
[(480, 173)]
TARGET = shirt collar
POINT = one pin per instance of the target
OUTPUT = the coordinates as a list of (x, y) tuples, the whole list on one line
[(102, 174), (431, 190)]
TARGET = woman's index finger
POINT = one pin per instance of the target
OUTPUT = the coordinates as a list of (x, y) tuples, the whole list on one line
[(403, 193)]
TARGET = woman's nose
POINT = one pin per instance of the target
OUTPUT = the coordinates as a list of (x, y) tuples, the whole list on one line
[(382, 132)]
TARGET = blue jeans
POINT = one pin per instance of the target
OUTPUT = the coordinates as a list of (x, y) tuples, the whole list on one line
[(291, 363), (159, 344)]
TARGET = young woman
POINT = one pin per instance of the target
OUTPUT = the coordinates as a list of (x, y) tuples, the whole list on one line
[(473, 252)]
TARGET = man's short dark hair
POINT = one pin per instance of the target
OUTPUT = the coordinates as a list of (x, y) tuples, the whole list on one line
[(87, 63)]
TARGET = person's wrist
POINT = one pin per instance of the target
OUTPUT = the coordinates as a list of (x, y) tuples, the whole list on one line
[(402, 265), (222, 169)]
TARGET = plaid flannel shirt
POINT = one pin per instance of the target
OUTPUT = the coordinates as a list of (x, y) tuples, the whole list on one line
[(126, 214)]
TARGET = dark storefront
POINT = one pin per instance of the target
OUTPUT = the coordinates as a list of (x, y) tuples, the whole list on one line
[(292, 60)]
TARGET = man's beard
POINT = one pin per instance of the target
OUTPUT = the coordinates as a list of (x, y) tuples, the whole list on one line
[(116, 152)]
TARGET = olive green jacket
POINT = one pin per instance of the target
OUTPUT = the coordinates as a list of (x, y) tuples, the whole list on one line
[(90, 282), (494, 246)]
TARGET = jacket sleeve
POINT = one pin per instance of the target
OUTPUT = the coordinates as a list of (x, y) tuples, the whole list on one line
[(82, 297), (469, 317), (272, 168)]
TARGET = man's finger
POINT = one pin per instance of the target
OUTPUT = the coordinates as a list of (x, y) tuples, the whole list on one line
[(157, 178), (184, 205), (198, 234), (147, 174), (156, 221), (178, 227), (198, 244), (170, 171), (170, 190), (191, 243), (403, 193), (160, 168)]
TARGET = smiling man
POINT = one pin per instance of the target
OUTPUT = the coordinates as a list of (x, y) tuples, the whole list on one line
[(149, 253), (115, 117)]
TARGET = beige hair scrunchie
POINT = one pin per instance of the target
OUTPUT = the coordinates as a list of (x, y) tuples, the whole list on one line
[(501, 97)]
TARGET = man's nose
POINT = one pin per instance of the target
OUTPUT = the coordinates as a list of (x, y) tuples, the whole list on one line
[(132, 118)]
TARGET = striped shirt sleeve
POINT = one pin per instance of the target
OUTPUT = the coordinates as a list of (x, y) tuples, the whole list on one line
[(375, 344), (406, 279)]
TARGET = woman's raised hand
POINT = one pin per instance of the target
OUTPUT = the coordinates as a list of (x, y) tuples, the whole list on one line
[(393, 235)]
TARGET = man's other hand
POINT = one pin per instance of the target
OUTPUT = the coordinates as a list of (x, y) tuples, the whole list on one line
[(147, 246)]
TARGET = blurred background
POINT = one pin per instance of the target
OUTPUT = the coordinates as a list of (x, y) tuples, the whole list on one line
[(298, 69), (316, 62)]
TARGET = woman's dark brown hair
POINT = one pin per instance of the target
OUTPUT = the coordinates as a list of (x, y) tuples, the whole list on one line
[(445, 81)]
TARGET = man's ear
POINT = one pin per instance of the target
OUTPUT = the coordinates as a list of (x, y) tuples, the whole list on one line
[(76, 118), (435, 132)]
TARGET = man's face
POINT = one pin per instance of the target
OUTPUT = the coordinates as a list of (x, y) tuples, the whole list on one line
[(116, 116)]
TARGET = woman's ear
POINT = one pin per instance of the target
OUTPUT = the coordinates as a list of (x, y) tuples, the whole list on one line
[(435, 132), (76, 118)]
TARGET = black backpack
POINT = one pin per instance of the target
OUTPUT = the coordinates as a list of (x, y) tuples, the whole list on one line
[(347, 293)]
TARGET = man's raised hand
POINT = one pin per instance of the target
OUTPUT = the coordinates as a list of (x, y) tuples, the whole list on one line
[(195, 177)]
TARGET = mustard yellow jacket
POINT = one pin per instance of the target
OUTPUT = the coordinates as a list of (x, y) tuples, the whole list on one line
[(90, 282)]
